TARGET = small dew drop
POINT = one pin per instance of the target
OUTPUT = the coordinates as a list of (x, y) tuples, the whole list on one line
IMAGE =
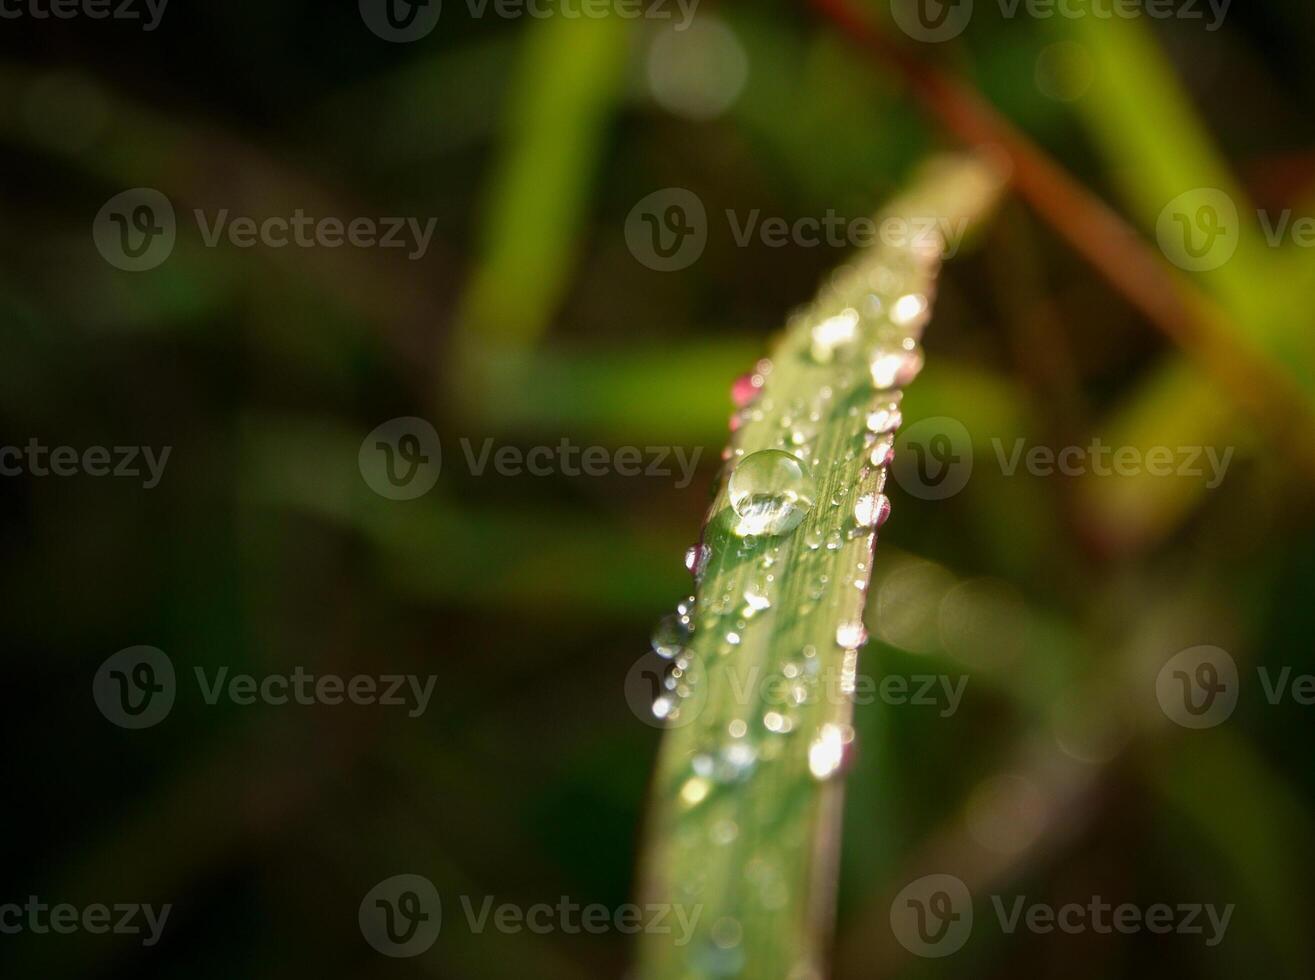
[(832, 333), (895, 369), (884, 420), (670, 635), (871, 509), (852, 634), (909, 311), (777, 723), (826, 754), (746, 389)]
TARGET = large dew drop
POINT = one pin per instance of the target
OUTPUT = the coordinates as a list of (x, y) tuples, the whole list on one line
[(772, 492)]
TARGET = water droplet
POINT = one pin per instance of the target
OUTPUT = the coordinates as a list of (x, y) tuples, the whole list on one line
[(732, 762), (746, 389), (777, 723), (871, 509), (694, 791), (826, 754), (813, 538), (833, 333), (724, 831), (670, 635), (885, 420), (771, 491), (852, 634), (895, 369), (909, 311), (696, 559), (883, 450), (755, 596)]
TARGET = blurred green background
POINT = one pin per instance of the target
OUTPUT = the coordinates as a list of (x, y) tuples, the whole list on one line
[(528, 320)]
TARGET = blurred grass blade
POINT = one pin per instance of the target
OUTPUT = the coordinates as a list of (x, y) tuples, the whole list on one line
[(1159, 152), (745, 817), (567, 87)]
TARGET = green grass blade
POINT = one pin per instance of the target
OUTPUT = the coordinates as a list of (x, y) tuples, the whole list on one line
[(746, 808)]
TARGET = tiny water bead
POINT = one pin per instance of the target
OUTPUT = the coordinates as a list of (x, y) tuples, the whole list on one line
[(851, 634), (884, 420), (892, 369), (670, 635), (771, 492), (872, 509), (883, 451), (827, 752), (696, 559), (746, 389), (834, 333)]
